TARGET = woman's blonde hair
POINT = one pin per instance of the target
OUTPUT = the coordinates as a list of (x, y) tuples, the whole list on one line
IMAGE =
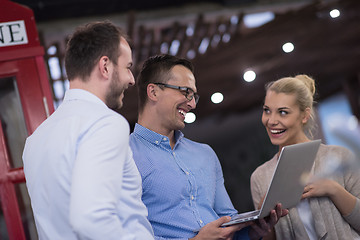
[(303, 87)]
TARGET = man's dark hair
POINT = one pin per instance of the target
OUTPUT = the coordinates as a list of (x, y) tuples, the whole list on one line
[(157, 69), (88, 44)]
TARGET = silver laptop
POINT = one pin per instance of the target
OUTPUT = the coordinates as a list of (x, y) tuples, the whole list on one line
[(287, 184)]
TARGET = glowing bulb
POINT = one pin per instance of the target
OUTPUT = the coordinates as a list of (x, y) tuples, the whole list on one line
[(288, 47), (249, 76), (334, 13), (217, 98), (190, 117)]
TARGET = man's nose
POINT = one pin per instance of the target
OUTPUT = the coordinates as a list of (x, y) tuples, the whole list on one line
[(132, 79), (192, 103)]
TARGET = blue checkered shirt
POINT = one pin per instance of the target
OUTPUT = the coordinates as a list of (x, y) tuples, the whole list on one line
[(183, 188)]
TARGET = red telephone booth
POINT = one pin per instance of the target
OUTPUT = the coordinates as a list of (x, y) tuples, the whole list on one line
[(25, 102)]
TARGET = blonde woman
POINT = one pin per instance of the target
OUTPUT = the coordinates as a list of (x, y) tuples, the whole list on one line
[(330, 207)]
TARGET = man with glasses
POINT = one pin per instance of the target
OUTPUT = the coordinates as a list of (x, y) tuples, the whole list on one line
[(183, 185)]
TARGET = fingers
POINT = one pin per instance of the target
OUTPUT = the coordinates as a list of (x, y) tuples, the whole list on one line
[(240, 226), (278, 210), (229, 231), (264, 226), (235, 227), (281, 212), (284, 212), (276, 214), (221, 220), (274, 217), (307, 188), (308, 191), (305, 195), (260, 229)]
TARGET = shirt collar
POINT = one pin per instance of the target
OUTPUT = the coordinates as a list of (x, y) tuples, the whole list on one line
[(76, 94), (155, 137)]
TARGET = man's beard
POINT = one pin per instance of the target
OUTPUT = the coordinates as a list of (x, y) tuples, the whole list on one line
[(114, 92)]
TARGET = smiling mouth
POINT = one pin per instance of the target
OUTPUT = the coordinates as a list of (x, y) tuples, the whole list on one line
[(182, 112), (277, 131)]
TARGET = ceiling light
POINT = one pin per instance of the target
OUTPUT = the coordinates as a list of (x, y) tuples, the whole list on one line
[(203, 45), (254, 20), (174, 47), (58, 87), (190, 117), (190, 31), (164, 48), (191, 54), (288, 47), (226, 37), (249, 76), (234, 19), (54, 66), (216, 39), (217, 98), (334, 13), (52, 50), (222, 28)]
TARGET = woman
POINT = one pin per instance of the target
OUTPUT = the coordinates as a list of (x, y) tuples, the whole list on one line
[(330, 208)]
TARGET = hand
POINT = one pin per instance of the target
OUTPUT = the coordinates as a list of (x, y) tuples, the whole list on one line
[(264, 226), (343, 200), (214, 231), (320, 188)]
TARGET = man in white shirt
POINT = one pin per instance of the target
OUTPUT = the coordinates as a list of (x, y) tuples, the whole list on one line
[(80, 174)]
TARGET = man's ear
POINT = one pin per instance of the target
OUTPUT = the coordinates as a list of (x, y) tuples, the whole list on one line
[(151, 90), (104, 65)]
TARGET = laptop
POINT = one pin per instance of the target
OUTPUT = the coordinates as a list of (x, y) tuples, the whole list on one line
[(288, 182)]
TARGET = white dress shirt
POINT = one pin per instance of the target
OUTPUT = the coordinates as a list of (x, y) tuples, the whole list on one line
[(80, 174)]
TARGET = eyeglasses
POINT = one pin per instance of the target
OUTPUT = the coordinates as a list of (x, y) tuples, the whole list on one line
[(188, 92)]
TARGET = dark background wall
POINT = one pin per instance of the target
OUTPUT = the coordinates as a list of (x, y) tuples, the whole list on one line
[(241, 143)]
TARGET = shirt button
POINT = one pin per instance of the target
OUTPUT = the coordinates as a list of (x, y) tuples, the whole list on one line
[(164, 139), (156, 142), (192, 197), (201, 221), (173, 154), (187, 173)]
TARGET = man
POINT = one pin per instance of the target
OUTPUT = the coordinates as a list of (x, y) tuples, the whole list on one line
[(183, 185), (80, 174)]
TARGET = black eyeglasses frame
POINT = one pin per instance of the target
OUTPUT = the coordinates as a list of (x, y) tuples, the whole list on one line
[(188, 92)]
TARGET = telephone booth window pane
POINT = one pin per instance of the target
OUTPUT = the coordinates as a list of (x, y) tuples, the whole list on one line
[(27, 216), (12, 118), (3, 230)]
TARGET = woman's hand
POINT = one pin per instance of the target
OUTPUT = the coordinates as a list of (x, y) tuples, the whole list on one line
[(342, 199), (321, 188)]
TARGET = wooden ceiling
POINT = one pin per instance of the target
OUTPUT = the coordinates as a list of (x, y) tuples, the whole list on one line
[(45, 10), (327, 49)]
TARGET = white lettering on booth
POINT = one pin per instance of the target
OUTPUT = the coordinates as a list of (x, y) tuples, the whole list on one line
[(13, 33)]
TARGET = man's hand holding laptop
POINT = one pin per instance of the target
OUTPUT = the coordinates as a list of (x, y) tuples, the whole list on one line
[(214, 230), (259, 228)]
